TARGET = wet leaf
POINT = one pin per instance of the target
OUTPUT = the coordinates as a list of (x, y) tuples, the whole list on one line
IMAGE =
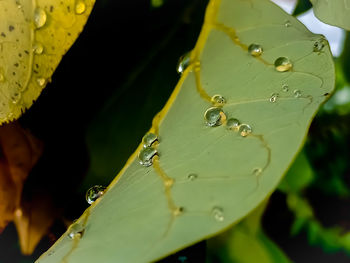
[(19, 152), (333, 12), (205, 172), (34, 35)]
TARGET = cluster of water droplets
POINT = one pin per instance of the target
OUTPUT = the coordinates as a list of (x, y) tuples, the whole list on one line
[(148, 151)]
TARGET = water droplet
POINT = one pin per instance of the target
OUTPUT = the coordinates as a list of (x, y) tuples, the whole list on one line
[(218, 213), (283, 64), (255, 50), (15, 97), (75, 230), (214, 116), (94, 193), (39, 17), (218, 100), (41, 81), (38, 48), (319, 44), (192, 177), (287, 23), (274, 97), (80, 7), (297, 93), (257, 171), (285, 88), (149, 139), (183, 63), (233, 124), (178, 211), (245, 130), (145, 156)]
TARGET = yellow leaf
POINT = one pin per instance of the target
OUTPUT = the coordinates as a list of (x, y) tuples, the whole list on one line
[(34, 35)]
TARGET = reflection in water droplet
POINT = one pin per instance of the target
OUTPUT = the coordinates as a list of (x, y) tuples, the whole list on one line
[(283, 64), (233, 124), (192, 177), (245, 130), (41, 81), (145, 156), (218, 100), (39, 17), (214, 116), (255, 50), (80, 7), (218, 213), (274, 97), (287, 23), (94, 193), (285, 88), (149, 139), (319, 44), (38, 48), (183, 63), (75, 230), (297, 93)]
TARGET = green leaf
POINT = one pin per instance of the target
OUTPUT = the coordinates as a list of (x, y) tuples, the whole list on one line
[(334, 12), (34, 35), (204, 179), (302, 6)]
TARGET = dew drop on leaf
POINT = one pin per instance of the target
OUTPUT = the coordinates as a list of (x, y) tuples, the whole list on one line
[(149, 139), (192, 177), (297, 93), (245, 130), (283, 64), (233, 124), (319, 45), (39, 17), (38, 48), (80, 7), (214, 116), (218, 213), (257, 171), (94, 193), (183, 63), (255, 50), (274, 97), (287, 23), (75, 230), (145, 156), (218, 100), (41, 81), (285, 88)]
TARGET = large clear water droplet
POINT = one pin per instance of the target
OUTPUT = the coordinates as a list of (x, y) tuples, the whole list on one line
[(255, 50), (214, 116), (40, 17), (80, 7), (218, 214), (233, 124), (145, 156), (297, 93), (149, 139), (183, 63), (94, 193), (218, 100), (274, 97), (75, 230), (38, 48), (245, 130), (283, 64)]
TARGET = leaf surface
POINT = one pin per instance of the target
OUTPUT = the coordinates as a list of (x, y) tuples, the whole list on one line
[(205, 178), (333, 12), (34, 35)]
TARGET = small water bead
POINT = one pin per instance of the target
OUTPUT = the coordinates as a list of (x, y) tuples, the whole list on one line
[(192, 177), (145, 156), (319, 45), (287, 23), (233, 124), (218, 213), (41, 81), (297, 93), (40, 17), (149, 139), (75, 230), (183, 63), (283, 64), (80, 7), (245, 130), (214, 116), (38, 48), (285, 88), (94, 193), (255, 50), (218, 100), (257, 171), (274, 97)]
